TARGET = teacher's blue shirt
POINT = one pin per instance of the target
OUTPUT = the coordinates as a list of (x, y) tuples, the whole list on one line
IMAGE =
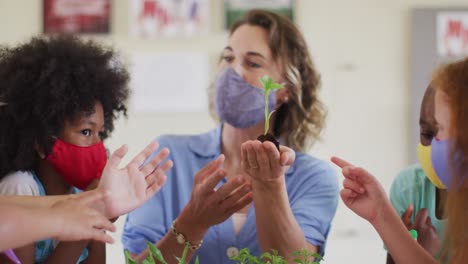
[(311, 183)]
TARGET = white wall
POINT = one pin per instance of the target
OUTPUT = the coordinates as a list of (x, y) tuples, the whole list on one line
[(361, 48)]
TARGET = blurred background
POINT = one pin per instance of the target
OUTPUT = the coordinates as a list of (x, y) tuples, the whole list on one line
[(375, 58)]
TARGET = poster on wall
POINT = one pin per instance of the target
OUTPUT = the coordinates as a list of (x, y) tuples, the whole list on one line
[(169, 82), (168, 18), (235, 9), (77, 16), (452, 34)]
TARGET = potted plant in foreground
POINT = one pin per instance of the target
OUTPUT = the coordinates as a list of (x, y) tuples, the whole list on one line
[(303, 256)]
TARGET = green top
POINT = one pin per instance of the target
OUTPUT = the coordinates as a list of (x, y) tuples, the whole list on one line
[(412, 186)]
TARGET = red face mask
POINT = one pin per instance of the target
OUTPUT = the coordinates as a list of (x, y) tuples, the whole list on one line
[(77, 165)]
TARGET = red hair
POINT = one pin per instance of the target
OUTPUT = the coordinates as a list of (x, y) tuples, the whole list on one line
[(452, 80)]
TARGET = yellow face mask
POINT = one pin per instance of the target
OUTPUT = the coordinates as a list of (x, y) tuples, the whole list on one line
[(424, 157)]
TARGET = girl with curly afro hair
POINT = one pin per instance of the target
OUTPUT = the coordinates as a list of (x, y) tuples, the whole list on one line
[(59, 98)]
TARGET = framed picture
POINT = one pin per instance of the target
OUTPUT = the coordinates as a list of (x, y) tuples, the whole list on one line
[(452, 33), (77, 16), (235, 9), (168, 18)]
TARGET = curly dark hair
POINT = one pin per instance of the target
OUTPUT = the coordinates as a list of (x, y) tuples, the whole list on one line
[(47, 81)]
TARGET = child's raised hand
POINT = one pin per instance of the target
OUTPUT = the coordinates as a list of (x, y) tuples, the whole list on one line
[(427, 234), (136, 183), (361, 191), (406, 217)]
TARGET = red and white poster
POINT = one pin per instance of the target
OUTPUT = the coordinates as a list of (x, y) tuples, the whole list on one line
[(452, 34), (168, 18), (77, 16)]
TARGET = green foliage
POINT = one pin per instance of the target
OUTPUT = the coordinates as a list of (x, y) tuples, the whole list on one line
[(304, 256), (269, 85), (300, 257), (128, 258), (273, 258), (156, 253), (155, 256), (244, 257), (182, 260)]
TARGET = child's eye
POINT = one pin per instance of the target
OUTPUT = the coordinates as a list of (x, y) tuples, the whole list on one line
[(427, 136), (228, 59), (86, 132)]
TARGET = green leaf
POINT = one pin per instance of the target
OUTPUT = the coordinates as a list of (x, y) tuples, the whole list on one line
[(266, 80), (184, 254), (269, 84), (275, 86), (317, 256), (266, 255), (149, 261), (305, 257), (182, 260), (155, 252), (244, 257), (128, 258)]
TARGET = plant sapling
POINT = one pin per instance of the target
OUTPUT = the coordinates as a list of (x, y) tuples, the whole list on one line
[(269, 85)]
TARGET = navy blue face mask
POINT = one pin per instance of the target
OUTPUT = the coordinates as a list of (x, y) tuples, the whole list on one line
[(237, 102)]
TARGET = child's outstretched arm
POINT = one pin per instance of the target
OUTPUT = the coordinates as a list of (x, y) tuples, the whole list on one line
[(68, 218), (81, 216), (363, 194)]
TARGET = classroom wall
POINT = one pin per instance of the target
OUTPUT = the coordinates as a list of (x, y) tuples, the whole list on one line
[(361, 48)]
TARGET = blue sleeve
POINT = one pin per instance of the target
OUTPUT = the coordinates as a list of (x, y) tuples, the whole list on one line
[(148, 223), (145, 224), (315, 202)]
